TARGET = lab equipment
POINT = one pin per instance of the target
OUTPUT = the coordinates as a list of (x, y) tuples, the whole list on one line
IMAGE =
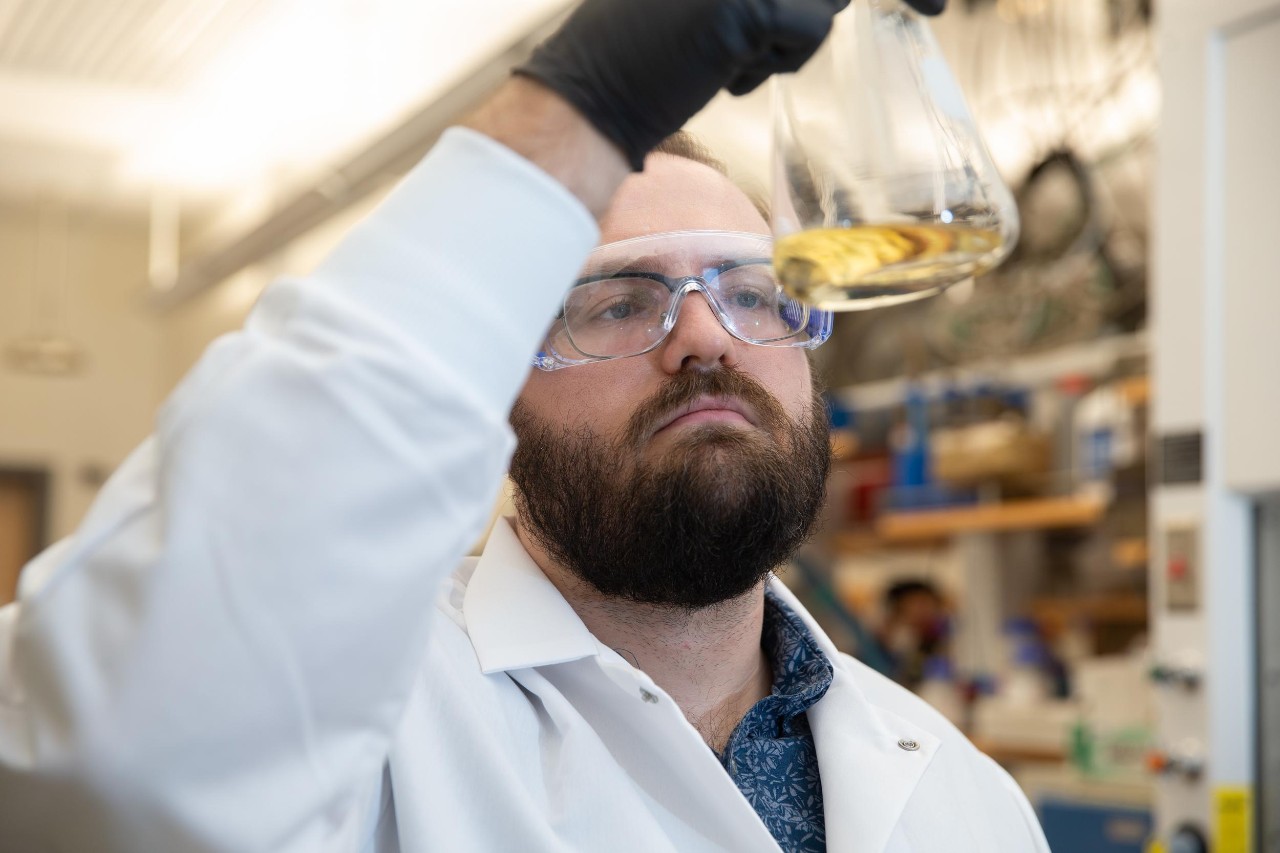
[(883, 190)]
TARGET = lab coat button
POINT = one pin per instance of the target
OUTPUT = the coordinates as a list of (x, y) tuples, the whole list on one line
[(909, 745), (648, 697)]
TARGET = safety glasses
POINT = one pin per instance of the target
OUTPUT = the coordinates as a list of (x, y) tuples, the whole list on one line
[(628, 297)]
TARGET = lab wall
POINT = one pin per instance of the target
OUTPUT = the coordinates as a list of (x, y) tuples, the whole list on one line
[(79, 275), (83, 276)]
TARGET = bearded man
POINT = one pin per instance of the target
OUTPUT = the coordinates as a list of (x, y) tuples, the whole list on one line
[(258, 640)]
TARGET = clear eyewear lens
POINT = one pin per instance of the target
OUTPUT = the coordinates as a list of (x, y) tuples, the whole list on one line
[(753, 302), (616, 316)]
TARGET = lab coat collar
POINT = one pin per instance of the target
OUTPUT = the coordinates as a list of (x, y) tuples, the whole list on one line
[(515, 616), (879, 757), (871, 759)]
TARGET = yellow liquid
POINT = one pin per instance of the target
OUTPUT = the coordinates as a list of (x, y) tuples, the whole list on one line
[(870, 266)]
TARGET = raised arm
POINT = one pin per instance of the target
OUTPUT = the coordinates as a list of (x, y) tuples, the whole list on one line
[(217, 659)]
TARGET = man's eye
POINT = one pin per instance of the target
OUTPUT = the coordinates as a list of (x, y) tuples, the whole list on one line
[(749, 287), (753, 297), (619, 310)]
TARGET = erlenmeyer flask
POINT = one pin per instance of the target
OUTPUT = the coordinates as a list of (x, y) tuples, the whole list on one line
[(883, 191)]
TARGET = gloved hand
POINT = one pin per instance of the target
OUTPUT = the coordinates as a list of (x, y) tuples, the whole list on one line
[(639, 69)]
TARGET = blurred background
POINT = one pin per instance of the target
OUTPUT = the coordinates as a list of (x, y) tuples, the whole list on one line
[(1028, 522)]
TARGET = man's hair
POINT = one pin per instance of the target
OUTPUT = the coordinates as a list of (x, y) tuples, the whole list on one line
[(684, 144)]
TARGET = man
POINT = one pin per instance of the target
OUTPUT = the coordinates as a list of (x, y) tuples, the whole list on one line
[(915, 628), (239, 648)]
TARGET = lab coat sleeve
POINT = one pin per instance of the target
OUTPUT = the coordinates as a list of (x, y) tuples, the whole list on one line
[(219, 656)]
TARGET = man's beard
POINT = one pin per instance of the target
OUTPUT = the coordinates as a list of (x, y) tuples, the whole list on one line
[(703, 524)]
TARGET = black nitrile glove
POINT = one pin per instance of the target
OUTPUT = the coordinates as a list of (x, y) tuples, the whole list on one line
[(639, 69)]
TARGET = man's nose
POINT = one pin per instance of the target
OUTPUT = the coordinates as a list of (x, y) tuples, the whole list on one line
[(698, 340)]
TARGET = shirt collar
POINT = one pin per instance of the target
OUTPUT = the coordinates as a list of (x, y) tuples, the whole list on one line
[(801, 672), (515, 616), (785, 597)]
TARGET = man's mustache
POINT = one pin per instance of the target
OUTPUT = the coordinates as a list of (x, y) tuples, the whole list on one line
[(686, 387)]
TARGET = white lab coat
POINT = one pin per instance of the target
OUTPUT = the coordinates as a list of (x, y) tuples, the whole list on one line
[(245, 647)]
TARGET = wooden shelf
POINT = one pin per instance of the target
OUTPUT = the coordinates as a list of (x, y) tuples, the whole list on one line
[(856, 542), (935, 524), (865, 541), (1057, 614)]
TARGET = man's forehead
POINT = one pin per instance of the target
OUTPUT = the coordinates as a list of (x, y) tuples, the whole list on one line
[(675, 194), (675, 253)]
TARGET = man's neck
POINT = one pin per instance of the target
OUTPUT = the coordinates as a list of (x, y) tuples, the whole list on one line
[(708, 660)]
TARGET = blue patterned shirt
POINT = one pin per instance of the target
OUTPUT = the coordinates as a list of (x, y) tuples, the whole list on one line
[(770, 755)]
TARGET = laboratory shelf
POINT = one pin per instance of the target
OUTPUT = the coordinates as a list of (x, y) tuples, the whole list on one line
[(1042, 514)]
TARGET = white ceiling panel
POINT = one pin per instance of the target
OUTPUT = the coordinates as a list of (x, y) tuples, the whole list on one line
[(148, 44), (208, 97)]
